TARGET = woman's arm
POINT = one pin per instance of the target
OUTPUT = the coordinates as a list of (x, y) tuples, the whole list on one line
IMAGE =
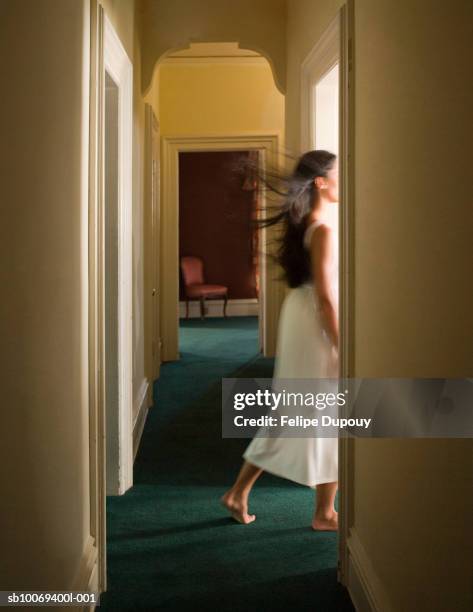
[(321, 251)]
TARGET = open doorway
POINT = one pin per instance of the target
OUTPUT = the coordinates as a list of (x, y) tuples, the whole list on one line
[(218, 202), (321, 102), (327, 122), (219, 251), (110, 347), (266, 146), (117, 264)]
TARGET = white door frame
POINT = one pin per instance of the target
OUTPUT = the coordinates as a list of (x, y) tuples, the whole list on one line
[(108, 54), (336, 46), (267, 144), (118, 66)]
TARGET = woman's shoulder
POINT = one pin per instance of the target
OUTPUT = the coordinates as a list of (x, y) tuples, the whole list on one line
[(323, 231)]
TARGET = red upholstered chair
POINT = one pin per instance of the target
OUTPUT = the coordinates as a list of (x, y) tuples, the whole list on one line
[(195, 288)]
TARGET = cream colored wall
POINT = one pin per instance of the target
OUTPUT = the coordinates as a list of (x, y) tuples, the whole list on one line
[(306, 22), (413, 498), (44, 164), (224, 99), (256, 24), (122, 14), (125, 17), (43, 318), (413, 101)]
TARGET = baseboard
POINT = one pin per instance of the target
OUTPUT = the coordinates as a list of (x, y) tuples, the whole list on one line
[(248, 307), (141, 407), (87, 576), (366, 591)]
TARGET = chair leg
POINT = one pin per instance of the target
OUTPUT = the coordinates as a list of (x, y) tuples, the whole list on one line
[(187, 309), (225, 300), (202, 307)]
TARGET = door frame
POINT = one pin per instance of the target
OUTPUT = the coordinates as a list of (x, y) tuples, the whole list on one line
[(152, 241), (118, 65), (271, 290), (108, 54), (336, 46)]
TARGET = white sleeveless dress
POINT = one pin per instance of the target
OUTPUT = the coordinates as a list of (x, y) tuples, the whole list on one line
[(303, 351)]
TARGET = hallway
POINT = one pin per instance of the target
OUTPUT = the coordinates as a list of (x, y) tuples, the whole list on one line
[(102, 98), (170, 544)]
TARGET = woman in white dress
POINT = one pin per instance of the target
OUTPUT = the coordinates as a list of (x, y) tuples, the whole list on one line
[(307, 345)]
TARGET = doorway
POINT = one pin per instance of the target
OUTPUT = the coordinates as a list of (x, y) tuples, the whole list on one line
[(218, 202), (110, 338), (326, 128), (117, 265), (327, 122), (268, 291)]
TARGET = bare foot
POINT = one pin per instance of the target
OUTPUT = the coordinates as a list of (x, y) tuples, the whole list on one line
[(325, 522), (237, 507)]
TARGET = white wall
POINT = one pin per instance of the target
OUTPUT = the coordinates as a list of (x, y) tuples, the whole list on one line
[(327, 108), (326, 98)]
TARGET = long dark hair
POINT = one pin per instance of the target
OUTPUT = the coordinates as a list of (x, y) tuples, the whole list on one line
[(299, 198)]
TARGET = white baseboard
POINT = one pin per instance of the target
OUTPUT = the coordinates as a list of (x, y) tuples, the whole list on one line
[(141, 407), (366, 591), (248, 307), (87, 576)]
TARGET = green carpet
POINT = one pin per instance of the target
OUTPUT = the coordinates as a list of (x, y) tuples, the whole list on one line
[(170, 544)]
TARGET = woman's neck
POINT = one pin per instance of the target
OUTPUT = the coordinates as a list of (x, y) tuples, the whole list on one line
[(320, 210)]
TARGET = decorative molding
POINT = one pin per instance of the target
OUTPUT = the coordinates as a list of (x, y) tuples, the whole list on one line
[(212, 60), (364, 586), (142, 405), (271, 292), (235, 308), (243, 140)]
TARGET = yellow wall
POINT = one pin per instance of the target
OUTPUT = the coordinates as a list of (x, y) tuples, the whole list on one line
[(413, 100), (173, 24), (208, 99), (216, 99), (413, 123)]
